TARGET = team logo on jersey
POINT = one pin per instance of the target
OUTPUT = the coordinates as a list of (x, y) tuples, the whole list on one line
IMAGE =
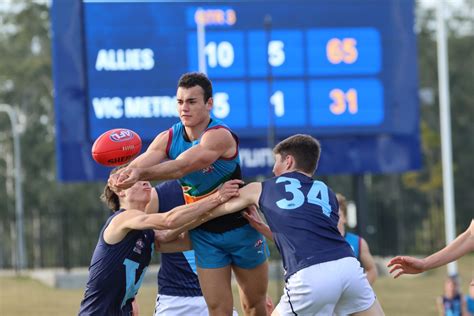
[(186, 188), (208, 169), (139, 245)]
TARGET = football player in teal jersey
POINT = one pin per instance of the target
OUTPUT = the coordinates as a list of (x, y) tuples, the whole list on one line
[(202, 153)]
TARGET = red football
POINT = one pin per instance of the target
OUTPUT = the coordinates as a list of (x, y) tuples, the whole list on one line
[(116, 147)]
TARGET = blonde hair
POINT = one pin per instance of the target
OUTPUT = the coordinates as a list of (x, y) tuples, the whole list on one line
[(341, 199), (108, 196)]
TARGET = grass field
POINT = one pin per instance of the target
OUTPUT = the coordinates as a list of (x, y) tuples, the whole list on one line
[(405, 296)]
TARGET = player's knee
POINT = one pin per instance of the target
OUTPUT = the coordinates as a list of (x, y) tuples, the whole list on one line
[(220, 310), (259, 308), (252, 296), (253, 302)]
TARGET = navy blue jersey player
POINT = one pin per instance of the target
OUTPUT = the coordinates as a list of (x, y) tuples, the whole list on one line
[(126, 241), (179, 292), (177, 276), (322, 275)]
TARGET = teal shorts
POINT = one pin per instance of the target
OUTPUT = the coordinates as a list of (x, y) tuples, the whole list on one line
[(243, 247)]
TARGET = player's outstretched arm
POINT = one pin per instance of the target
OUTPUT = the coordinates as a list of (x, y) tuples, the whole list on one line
[(180, 244), (368, 262), (154, 205), (183, 214), (154, 154), (256, 221), (213, 145), (462, 245), (248, 195), (135, 219)]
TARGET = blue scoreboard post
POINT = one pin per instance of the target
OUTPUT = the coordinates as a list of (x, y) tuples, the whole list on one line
[(344, 72)]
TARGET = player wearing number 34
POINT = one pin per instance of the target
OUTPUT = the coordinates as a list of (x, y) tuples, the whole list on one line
[(126, 243), (322, 275)]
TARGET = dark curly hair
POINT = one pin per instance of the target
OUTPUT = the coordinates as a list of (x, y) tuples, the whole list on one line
[(192, 79)]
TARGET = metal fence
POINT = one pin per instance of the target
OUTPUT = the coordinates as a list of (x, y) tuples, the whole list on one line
[(65, 238)]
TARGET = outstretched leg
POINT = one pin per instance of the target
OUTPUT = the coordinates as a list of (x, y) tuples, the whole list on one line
[(253, 284), (217, 290)]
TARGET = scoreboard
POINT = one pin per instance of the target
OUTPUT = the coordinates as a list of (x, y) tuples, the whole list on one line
[(341, 70), (322, 66)]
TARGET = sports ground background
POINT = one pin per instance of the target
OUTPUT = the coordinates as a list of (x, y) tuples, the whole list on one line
[(404, 210)]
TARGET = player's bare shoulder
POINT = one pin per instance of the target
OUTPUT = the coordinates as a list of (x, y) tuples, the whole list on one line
[(160, 141), (222, 140)]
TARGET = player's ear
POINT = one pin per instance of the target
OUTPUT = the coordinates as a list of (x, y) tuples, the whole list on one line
[(289, 161), (210, 103)]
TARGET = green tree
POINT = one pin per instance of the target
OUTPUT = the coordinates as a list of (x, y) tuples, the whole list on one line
[(428, 182), (51, 208)]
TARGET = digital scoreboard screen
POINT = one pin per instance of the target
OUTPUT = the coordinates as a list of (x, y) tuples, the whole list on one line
[(328, 67), (344, 71)]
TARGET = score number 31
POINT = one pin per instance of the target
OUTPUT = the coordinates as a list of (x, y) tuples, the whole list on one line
[(342, 51)]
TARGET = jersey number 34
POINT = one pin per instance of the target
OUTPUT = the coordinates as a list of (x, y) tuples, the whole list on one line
[(317, 195)]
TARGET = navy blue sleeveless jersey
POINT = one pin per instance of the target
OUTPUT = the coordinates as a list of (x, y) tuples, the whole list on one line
[(116, 272), (177, 275), (452, 306), (302, 214)]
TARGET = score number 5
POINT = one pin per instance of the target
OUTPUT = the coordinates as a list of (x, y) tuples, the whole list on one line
[(343, 101)]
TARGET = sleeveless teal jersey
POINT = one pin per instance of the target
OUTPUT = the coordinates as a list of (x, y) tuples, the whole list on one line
[(354, 241), (201, 183)]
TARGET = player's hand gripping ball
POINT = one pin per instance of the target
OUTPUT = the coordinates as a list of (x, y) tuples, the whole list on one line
[(116, 147)]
